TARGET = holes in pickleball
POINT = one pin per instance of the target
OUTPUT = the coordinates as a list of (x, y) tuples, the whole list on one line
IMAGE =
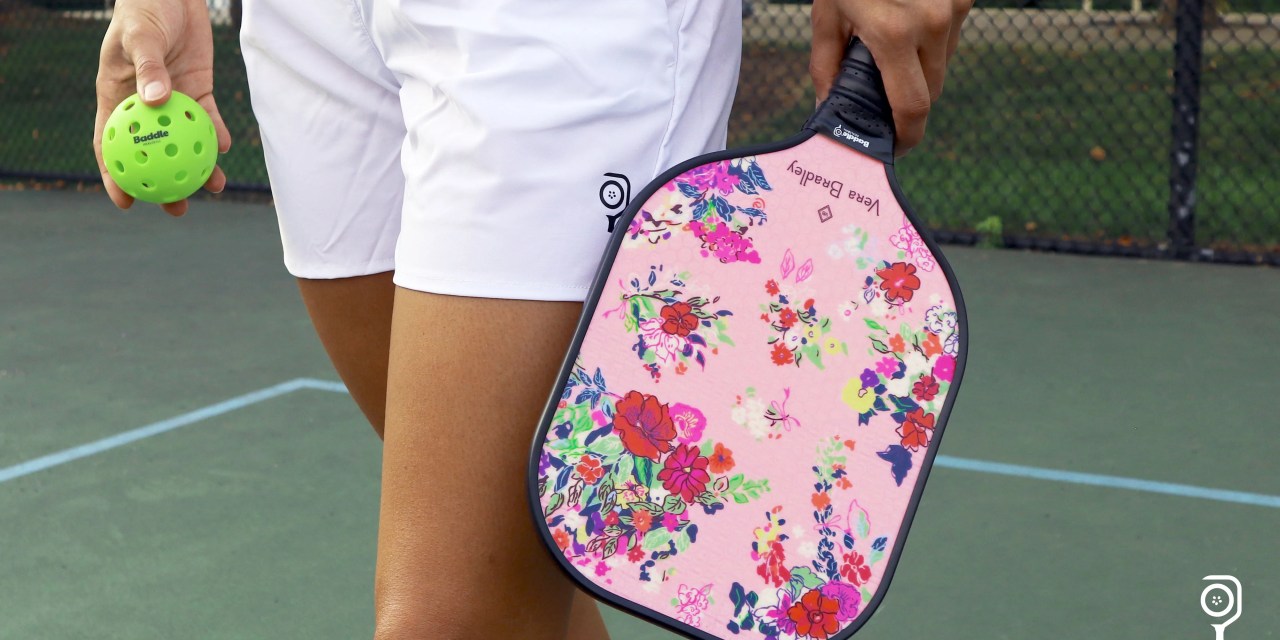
[(148, 186), (134, 127), (180, 177), (199, 148), (111, 133), (119, 166), (129, 105), (164, 121), (189, 116), (204, 173), (171, 149), (140, 157)]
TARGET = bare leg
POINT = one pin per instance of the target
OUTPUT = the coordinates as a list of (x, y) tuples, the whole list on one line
[(353, 318)]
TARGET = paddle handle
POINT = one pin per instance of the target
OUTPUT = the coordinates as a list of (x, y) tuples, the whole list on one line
[(856, 113)]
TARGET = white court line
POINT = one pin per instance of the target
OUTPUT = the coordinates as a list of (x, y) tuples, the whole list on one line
[(121, 439), (949, 462)]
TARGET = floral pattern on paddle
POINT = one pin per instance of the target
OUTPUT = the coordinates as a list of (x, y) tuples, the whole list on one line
[(737, 438), (631, 474)]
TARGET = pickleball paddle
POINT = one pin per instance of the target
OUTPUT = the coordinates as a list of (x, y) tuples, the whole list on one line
[(741, 431)]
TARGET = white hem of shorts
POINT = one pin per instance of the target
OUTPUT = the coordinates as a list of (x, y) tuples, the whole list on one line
[(336, 271), (543, 291)]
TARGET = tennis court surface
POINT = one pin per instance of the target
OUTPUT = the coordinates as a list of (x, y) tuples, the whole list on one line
[(178, 461)]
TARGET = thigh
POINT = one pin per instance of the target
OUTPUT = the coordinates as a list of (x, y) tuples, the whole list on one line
[(352, 317), (457, 553)]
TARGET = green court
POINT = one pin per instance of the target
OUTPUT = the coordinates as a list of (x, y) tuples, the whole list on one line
[(241, 500)]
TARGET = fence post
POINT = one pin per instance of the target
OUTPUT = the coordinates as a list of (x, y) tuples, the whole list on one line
[(1187, 66)]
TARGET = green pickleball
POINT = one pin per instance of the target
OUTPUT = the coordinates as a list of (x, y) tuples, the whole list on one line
[(160, 154)]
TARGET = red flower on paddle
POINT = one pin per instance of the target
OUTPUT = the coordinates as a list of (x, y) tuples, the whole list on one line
[(815, 615), (590, 470), (916, 429), (781, 354), (773, 565), (721, 459), (787, 318), (926, 388), (855, 568), (644, 425), (678, 319), (561, 537), (636, 554), (642, 520), (899, 281), (685, 473), (771, 287)]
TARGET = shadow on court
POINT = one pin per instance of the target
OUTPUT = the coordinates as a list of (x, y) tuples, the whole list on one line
[(257, 518)]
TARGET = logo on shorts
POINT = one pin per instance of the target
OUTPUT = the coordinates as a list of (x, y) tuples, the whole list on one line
[(824, 214), (615, 195)]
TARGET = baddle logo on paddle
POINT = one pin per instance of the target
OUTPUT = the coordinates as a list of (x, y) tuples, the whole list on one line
[(841, 132), (151, 136), (1220, 601)]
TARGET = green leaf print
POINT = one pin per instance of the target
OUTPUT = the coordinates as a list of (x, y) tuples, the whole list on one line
[(554, 503), (748, 490), (608, 447), (802, 579), (874, 325), (673, 504), (622, 471), (644, 471), (707, 498), (644, 505), (682, 541), (656, 539)]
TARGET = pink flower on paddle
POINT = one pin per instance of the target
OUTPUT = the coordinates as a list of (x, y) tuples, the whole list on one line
[(848, 597), (684, 473), (710, 176), (689, 423), (945, 368)]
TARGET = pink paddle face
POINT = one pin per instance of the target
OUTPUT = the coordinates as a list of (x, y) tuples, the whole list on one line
[(738, 447)]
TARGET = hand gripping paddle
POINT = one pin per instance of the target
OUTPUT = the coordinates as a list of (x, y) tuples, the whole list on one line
[(742, 429)]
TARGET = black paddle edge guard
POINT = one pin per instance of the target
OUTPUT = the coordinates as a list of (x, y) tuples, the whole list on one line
[(856, 113), (600, 281)]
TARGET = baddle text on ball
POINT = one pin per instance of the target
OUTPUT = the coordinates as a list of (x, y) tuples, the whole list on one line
[(151, 136)]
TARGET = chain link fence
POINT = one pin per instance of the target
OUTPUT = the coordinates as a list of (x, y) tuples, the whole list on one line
[(1126, 127)]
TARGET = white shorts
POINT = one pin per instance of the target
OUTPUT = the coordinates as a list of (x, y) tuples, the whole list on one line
[(478, 147)]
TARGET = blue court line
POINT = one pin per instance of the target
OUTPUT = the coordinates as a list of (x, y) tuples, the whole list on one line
[(1113, 482), (121, 439), (948, 462)]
